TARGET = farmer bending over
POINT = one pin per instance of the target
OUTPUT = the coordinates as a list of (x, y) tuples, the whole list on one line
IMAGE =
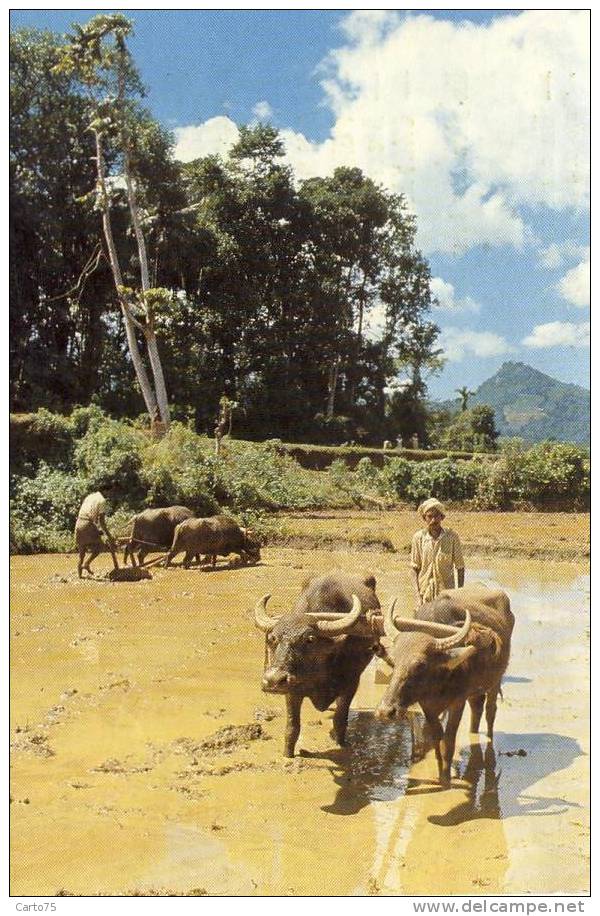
[(436, 552), (88, 532)]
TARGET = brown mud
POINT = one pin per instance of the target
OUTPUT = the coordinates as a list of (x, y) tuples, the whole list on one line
[(552, 535), (147, 761)]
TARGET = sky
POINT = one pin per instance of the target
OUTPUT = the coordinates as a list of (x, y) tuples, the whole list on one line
[(480, 117)]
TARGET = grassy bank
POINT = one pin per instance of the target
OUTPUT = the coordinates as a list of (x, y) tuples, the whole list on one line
[(56, 460)]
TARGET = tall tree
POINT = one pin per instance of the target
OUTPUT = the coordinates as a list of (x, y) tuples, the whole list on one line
[(98, 56), (464, 394), (58, 285)]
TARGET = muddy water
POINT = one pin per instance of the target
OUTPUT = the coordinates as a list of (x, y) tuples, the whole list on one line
[(146, 758)]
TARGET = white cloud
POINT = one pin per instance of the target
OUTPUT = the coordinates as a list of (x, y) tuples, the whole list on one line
[(575, 285), (448, 302), (469, 121), (262, 111), (457, 343), (216, 135), (559, 334), (560, 253)]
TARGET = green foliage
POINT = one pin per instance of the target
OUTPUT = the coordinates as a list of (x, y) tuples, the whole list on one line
[(396, 477), (259, 477), (179, 470), (82, 418), (40, 436), (109, 458), (445, 479), (43, 510), (472, 430), (553, 473)]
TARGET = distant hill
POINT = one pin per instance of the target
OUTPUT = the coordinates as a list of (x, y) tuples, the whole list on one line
[(533, 405)]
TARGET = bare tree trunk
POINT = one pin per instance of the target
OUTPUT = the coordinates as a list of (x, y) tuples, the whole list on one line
[(134, 350), (333, 377), (153, 354)]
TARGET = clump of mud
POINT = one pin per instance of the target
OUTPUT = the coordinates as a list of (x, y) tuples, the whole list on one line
[(35, 743), (128, 574), (112, 765), (149, 892), (224, 741)]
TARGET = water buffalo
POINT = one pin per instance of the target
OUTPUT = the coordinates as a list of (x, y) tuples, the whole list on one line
[(215, 536), (153, 530), (457, 650), (320, 648)]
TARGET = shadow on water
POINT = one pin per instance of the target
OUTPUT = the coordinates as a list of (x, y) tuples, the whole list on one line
[(374, 764), (498, 777)]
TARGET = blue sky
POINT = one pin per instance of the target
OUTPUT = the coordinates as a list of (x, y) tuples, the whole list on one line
[(480, 118)]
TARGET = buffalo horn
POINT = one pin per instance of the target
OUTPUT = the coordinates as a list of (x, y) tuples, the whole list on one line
[(446, 636), (389, 624), (263, 620), (450, 641), (345, 623)]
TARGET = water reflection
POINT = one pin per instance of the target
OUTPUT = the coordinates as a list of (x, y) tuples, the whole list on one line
[(498, 778), (374, 764)]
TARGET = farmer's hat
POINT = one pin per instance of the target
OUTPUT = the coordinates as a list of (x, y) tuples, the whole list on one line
[(432, 504)]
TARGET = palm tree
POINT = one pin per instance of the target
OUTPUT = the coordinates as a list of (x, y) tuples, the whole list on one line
[(464, 393)]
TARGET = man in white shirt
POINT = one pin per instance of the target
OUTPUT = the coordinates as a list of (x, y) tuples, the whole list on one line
[(436, 553), (90, 525)]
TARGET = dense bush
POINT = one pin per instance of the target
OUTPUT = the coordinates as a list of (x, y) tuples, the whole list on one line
[(396, 477), (43, 510), (553, 475), (260, 477), (109, 458), (40, 436), (445, 479), (181, 471)]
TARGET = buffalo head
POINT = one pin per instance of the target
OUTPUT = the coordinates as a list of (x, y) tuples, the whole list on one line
[(423, 655), (300, 646)]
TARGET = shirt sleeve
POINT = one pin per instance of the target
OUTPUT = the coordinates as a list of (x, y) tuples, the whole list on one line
[(415, 552), (457, 554)]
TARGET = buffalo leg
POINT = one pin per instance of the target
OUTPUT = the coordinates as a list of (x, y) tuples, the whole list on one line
[(293, 703), (187, 559), (436, 732), (476, 704), (490, 711), (448, 742), (82, 553), (340, 717)]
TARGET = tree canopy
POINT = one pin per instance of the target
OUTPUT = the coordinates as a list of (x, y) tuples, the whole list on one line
[(298, 300)]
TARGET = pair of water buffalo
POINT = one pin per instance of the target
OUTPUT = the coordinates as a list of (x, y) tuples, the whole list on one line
[(454, 652), (176, 529)]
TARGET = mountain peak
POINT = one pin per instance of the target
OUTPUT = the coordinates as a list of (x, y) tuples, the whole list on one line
[(530, 404)]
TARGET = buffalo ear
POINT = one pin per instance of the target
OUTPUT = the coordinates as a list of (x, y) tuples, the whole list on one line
[(456, 657)]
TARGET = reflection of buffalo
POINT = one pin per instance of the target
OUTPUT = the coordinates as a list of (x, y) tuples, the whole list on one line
[(457, 650), (498, 782), (320, 649)]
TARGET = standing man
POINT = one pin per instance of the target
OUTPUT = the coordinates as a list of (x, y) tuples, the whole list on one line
[(89, 527), (435, 554)]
